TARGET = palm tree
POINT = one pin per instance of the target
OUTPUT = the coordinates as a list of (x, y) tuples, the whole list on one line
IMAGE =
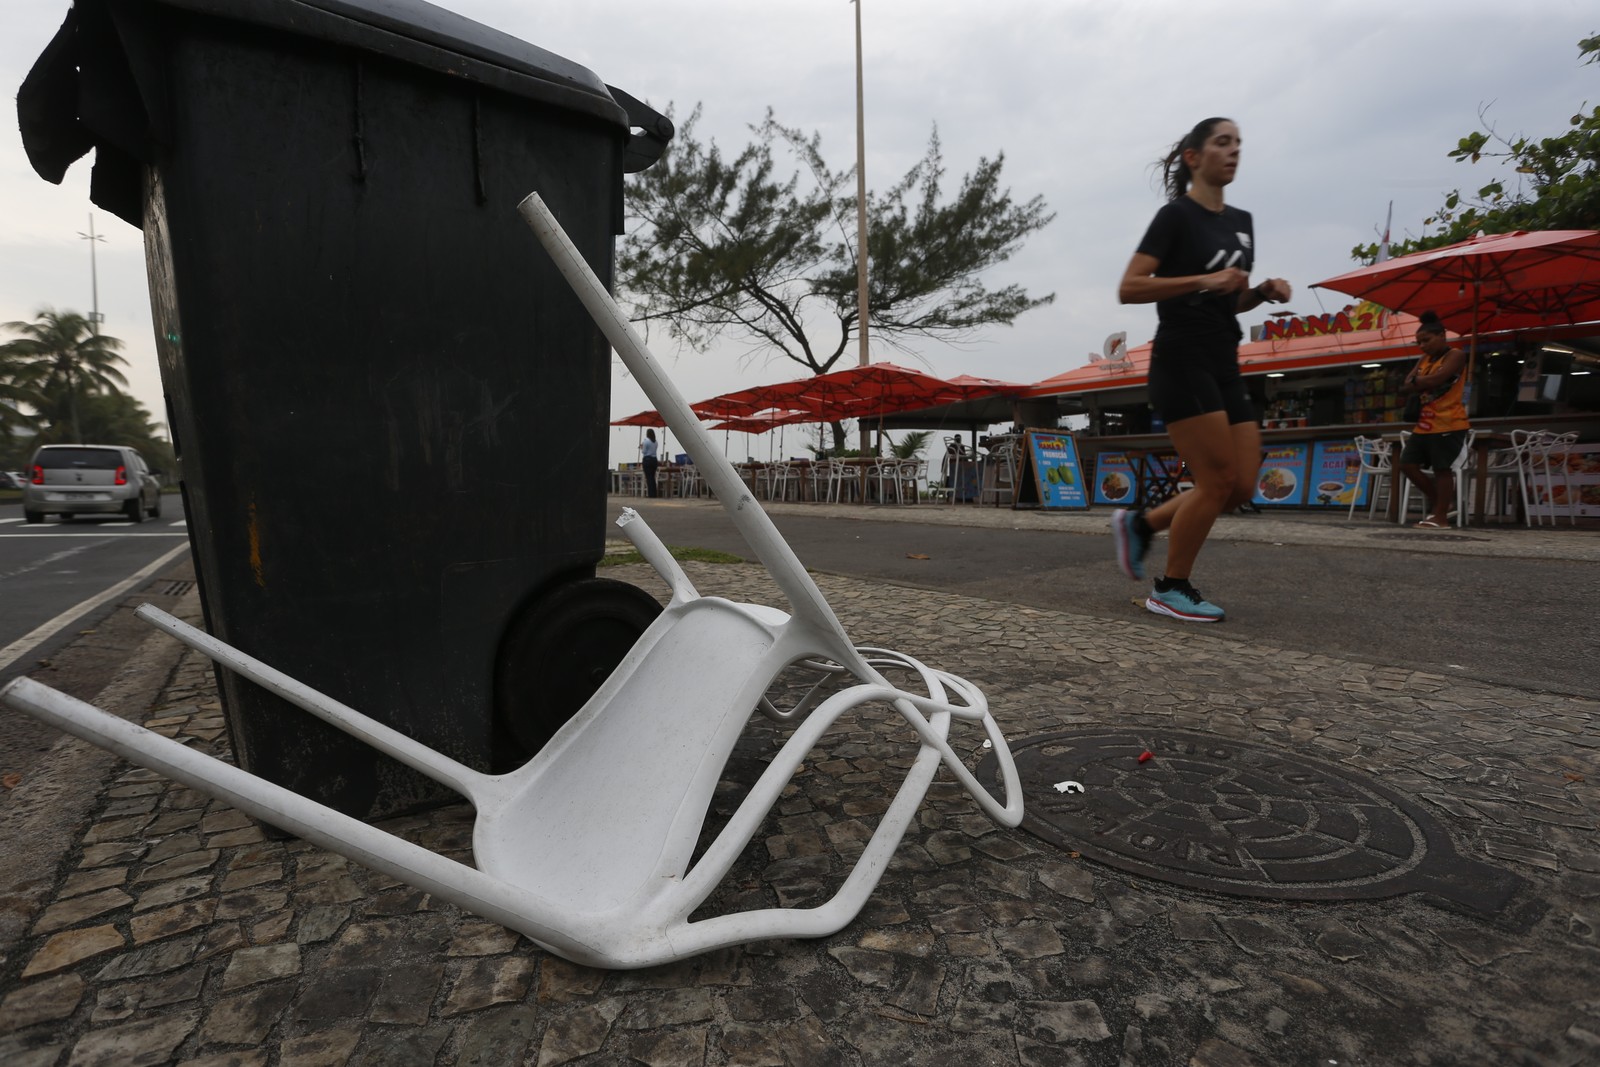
[(17, 376), (910, 446), (118, 419), (65, 359)]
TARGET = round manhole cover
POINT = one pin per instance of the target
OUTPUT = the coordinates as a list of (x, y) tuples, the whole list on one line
[(1241, 818)]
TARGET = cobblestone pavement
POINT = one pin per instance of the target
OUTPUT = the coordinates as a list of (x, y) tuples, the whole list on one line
[(174, 931)]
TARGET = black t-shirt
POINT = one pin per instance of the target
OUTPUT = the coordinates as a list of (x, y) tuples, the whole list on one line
[(1190, 239)]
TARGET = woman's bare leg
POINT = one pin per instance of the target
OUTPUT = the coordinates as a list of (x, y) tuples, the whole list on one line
[(1445, 496), (1209, 447), (1427, 483), (1246, 463)]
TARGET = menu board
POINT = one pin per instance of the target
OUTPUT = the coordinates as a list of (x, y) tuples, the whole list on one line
[(1282, 479), (1578, 493), (1113, 479), (1334, 480), (1052, 474)]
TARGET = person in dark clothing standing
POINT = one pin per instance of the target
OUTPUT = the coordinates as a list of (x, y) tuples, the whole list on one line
[(651, 462), (1440, 434), (1194, 264)]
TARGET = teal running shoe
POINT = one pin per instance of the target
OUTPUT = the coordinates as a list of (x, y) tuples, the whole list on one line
[(1183, 602), (1131, 545)]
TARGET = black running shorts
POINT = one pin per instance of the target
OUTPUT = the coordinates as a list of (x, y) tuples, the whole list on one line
[(1189, 378), (1435, 451)]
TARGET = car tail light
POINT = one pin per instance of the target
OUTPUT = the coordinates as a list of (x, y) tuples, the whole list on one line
[(38, 474), (122, 475)]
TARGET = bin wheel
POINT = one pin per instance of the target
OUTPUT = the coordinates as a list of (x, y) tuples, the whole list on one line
[(558, 649)]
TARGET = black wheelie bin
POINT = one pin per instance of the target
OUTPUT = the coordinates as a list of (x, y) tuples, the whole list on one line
[(388, 408)]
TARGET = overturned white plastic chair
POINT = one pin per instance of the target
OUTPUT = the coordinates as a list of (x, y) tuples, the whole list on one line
[(589, 848)]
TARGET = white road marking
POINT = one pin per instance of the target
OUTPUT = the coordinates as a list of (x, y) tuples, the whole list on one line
[(85, 532), (29, 641), (54, 557)]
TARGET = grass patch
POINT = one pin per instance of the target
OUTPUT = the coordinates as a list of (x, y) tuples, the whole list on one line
[(679, 553)]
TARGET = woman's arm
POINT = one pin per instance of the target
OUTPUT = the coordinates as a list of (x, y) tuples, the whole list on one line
[(1271, 291), (1449, 368), (1140, 285)]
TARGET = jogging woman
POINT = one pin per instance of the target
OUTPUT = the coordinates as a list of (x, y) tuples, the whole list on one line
[(1194, 264)]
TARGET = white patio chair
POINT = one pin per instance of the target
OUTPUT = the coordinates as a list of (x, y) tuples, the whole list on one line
[(821, 479), (883, 477), (844, 482), (912, 473), (688, 481), (587, 848), (1510, 464), (784, 482), (1555, 449), (999, 475), (1377, 468)]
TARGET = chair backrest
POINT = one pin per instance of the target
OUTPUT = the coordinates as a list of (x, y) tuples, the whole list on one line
[(1509, 458), (1376, 454), (1557, 445), (1005, 457), (1466, 451)]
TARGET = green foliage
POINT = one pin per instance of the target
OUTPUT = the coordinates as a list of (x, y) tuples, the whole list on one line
[(911, 445), (62, 380), (1556, 184), (722, 245)]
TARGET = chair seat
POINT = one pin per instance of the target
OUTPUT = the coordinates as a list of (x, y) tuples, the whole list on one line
[(635, 783)]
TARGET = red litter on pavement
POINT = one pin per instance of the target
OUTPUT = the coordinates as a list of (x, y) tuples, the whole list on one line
[(1145, 755)]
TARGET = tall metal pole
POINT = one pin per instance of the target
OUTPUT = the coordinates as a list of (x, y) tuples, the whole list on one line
[(94, 277), (861, 212)]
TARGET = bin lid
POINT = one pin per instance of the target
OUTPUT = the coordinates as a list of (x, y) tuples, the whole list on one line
[(96, 87), (386, 26)]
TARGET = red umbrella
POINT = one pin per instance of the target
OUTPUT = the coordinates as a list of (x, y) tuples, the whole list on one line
[(649, 417), (863, 392), (763, 421), (643, 418), (1505, 281), (973, 387), (721, 407)]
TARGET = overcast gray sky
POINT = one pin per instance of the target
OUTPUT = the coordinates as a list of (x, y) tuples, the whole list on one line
[(1343, 107)]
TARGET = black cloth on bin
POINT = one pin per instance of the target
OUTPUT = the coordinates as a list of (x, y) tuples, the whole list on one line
[(97, 85)]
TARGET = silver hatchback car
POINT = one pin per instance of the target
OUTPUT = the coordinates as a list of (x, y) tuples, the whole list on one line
[(69, 480)]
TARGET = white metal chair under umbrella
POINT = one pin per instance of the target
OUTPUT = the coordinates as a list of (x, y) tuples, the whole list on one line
[(1377, 469)]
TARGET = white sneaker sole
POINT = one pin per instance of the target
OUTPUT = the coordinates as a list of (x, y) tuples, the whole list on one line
[(1157, 607)]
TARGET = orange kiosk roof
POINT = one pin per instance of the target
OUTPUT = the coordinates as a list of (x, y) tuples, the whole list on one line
[(1360, 334)]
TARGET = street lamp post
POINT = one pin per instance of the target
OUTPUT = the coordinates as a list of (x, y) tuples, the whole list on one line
[(94, 276), (861, 211)]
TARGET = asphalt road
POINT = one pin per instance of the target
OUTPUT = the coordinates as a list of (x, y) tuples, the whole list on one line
[(57, 577), (1526, 623), (48, 569)]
